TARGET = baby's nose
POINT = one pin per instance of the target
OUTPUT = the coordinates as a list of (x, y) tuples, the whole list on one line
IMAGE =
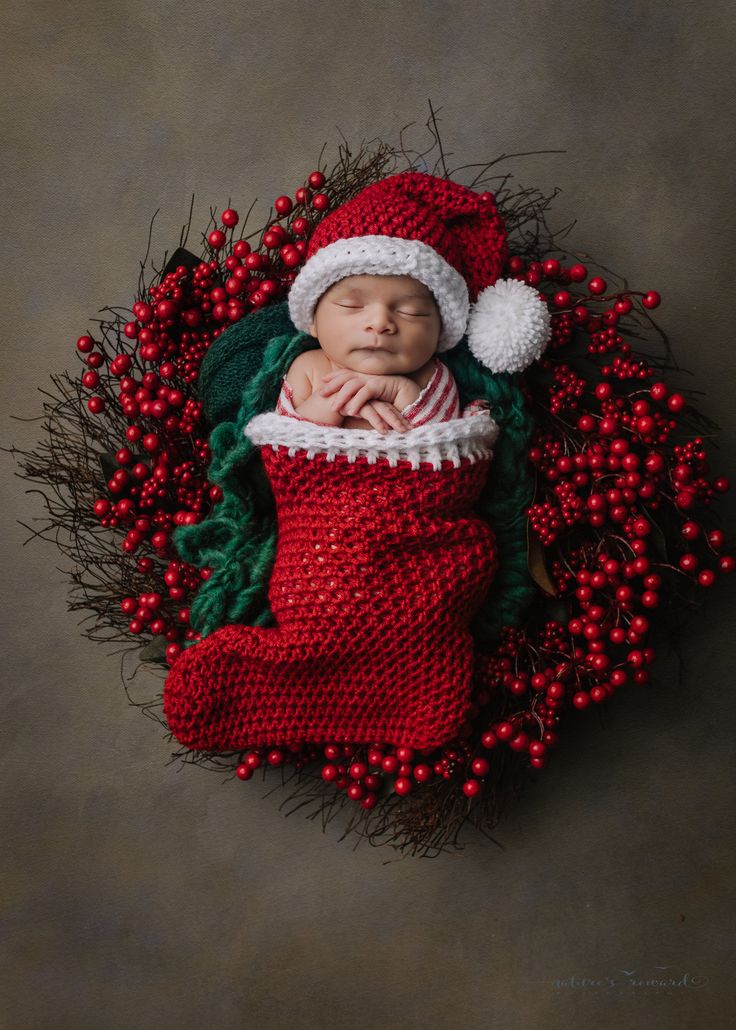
[(378, 318)]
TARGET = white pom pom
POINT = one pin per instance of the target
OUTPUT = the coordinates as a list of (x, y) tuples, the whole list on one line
[(508, 326)]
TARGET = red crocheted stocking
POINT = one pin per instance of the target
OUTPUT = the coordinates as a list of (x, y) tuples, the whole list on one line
[(379, 568)]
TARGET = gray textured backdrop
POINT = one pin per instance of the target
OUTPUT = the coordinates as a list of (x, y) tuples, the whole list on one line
[(137, 894)]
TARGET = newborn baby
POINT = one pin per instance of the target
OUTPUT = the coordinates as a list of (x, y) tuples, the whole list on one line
[(375, 367)]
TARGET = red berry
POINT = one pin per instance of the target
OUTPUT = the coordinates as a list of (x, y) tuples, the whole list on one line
[(690, 530), (581, 699), (143, 312), (597, 285), (290, 256), (329, 772), (172, 652), (685, 500), (651, 299), (481, 766), (229, 217), (520, 742), (166, 309), (390, 763)]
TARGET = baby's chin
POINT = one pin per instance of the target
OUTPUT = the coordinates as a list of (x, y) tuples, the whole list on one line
[(374, 361)]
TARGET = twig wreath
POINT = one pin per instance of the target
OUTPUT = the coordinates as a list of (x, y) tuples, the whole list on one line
[(605, 526)]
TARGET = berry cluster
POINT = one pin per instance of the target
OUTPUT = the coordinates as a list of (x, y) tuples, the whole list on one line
[(145, 370), (601, 479)]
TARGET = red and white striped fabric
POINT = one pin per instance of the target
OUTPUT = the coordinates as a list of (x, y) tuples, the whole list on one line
[(439, 401)]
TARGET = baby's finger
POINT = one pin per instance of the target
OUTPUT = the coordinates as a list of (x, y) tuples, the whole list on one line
[(347, 391), (394, 417), (372, 416), (361, 397), (333, 378)]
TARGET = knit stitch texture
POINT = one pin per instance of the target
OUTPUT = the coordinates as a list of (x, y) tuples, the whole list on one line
[(241, 377), (378, 571)]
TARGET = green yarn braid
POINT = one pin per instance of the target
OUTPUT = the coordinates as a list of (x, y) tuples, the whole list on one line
[(240, 378)]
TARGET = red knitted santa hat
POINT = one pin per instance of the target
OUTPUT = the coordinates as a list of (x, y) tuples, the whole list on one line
[(448, 237)]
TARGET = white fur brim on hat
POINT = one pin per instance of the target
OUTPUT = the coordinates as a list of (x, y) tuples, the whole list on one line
[(383, 255), (509, 326)]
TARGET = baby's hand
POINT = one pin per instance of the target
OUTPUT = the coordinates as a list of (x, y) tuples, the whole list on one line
[(354, 389)]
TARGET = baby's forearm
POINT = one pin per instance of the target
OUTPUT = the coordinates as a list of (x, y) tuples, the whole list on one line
[(317, 409)]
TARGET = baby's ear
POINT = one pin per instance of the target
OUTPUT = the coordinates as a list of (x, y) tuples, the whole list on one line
[(312, 330)]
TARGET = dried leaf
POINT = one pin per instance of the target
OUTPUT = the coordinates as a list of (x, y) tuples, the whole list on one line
[(537, 567)]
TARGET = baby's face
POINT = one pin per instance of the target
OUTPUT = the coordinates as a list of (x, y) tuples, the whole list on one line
[(378, 324)]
